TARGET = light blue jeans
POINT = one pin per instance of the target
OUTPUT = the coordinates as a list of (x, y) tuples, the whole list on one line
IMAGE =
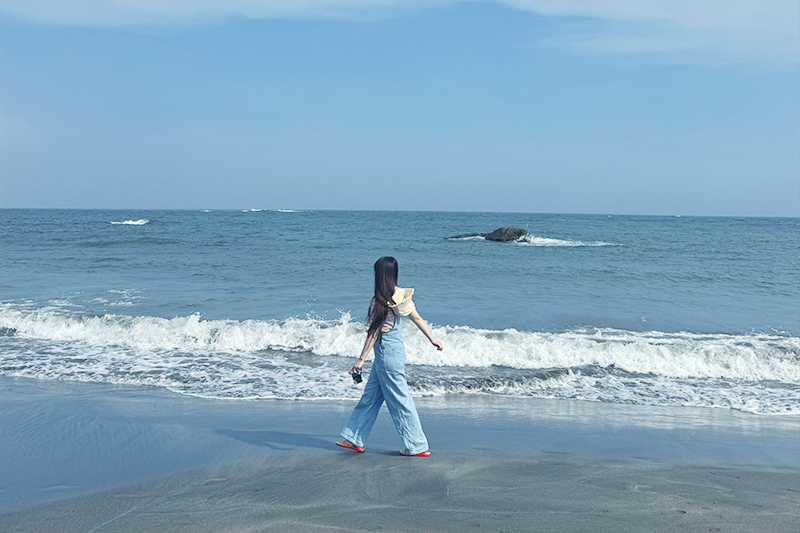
[(387, 382)]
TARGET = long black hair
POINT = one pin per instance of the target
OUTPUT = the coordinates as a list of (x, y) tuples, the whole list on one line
[(385, 284)]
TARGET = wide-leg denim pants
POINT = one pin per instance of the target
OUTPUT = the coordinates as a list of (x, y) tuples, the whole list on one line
[(387, 383)]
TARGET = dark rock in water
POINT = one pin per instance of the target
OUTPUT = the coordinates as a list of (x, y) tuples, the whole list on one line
[(505, 234), (500, 235)]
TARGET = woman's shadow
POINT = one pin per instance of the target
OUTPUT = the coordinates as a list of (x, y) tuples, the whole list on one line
[(283, 441), (278, 440)]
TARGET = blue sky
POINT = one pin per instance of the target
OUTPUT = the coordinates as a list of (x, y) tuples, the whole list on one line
[(626, 107)]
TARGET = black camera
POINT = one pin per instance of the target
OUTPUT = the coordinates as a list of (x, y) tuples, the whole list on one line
[(357, 376)]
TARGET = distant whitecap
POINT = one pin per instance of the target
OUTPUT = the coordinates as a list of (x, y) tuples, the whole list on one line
[(534, 240), (470, 238), (140, 222)]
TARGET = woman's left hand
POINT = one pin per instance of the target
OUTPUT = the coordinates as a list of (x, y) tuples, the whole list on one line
[(439, 345)]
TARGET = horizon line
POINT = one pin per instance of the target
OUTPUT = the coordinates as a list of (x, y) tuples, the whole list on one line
[(278, 209)]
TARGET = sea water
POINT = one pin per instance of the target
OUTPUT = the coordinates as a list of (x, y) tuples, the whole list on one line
[(256, 303)]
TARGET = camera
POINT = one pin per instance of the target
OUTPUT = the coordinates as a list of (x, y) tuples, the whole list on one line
[(357, 376)]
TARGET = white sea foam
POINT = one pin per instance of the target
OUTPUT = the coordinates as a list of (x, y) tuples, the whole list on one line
[(307, 358), (123, 297), (140, 222), (286, 211), (470, 238), (533, 240)]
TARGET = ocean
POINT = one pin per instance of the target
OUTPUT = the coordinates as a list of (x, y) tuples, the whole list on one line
[(253, 304)]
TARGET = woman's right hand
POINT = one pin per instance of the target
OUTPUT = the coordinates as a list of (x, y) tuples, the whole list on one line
[(356, 368), (439, 345)]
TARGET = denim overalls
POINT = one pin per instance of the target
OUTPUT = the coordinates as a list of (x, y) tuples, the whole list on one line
[(387, 382)]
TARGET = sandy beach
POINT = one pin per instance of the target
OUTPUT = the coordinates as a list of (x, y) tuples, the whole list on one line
[(95, 457)]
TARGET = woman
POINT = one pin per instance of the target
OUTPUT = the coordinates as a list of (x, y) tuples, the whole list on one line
[(387, 380)]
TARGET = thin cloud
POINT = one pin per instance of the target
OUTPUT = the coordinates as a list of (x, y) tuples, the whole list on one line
[(728, 31)]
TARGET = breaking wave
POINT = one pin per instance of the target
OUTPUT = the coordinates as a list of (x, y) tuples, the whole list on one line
[(307, 358)]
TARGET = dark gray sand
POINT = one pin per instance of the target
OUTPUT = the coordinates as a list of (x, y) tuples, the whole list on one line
[(87, 457), (376, 492)]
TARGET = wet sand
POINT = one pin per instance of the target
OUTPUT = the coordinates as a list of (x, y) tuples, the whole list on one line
[(88, 457)]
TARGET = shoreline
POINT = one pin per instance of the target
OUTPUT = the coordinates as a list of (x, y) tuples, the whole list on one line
[(145, 459)]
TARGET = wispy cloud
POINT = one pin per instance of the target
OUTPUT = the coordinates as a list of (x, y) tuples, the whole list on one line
[(732, 31)]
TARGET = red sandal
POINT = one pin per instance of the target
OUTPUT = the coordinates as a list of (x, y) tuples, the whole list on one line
[(421, 454), (359, 449)]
